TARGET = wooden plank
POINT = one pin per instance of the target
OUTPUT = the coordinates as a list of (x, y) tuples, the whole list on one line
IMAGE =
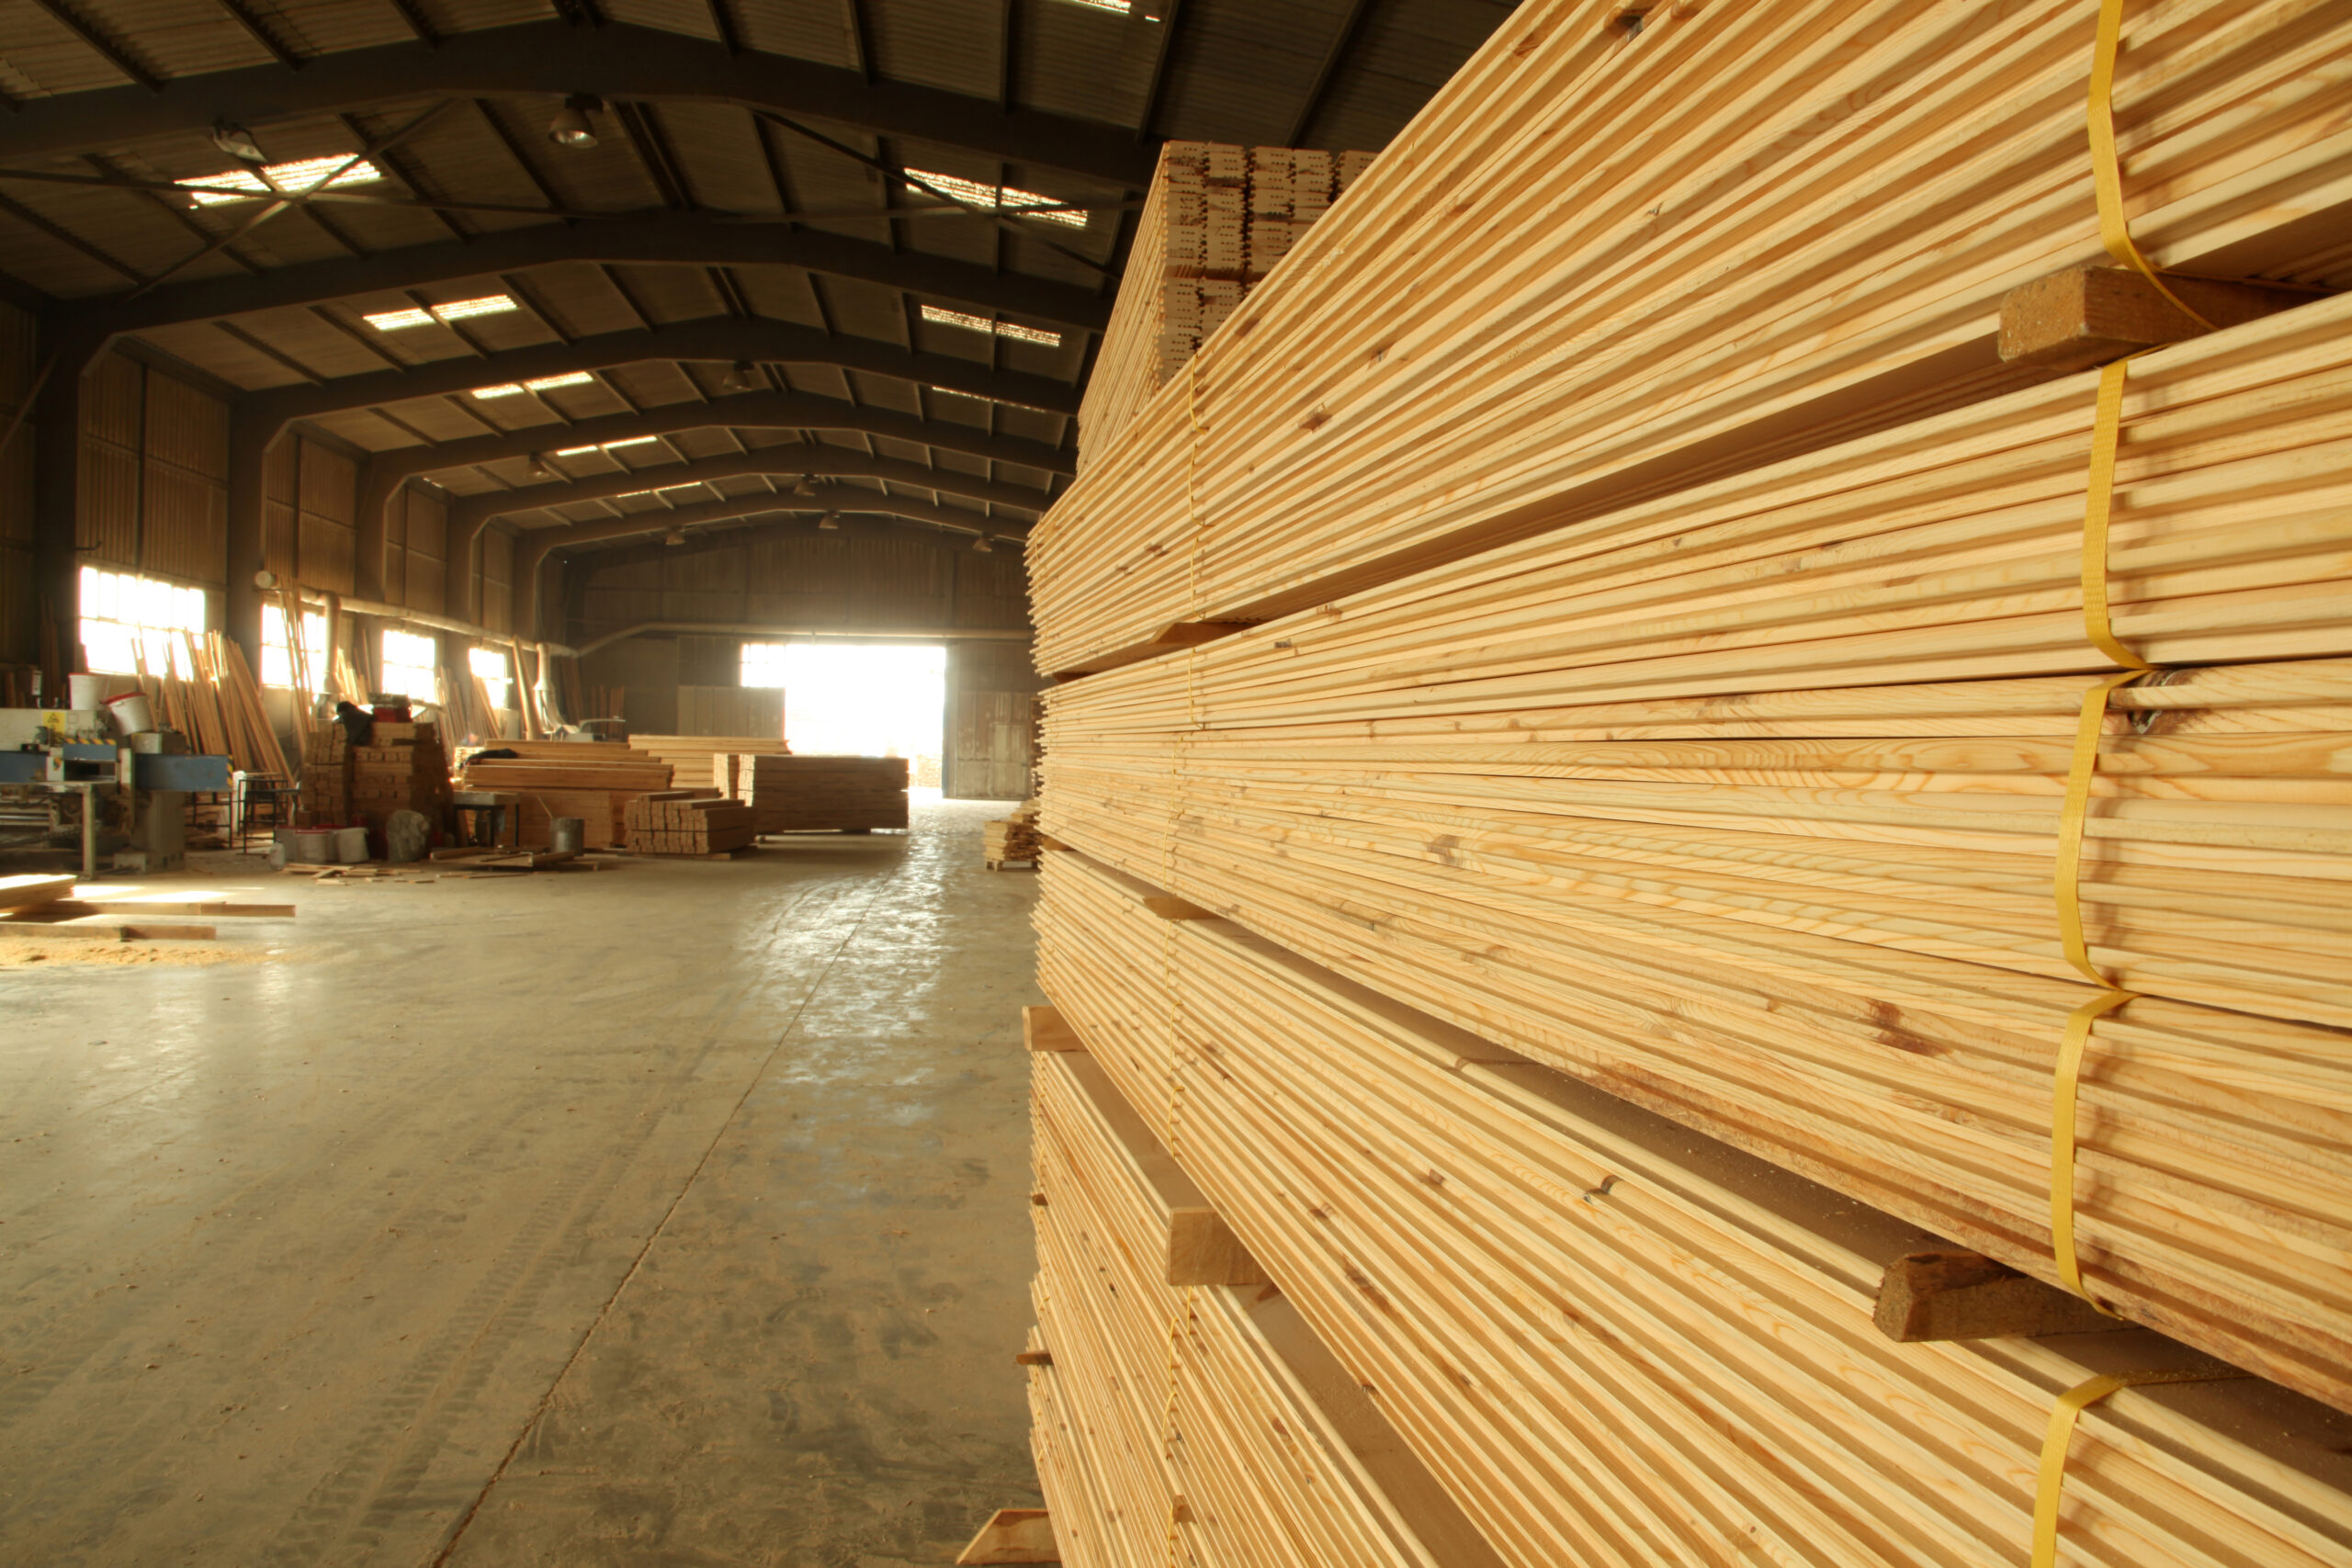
[(1013, 1535), (2089, 315), (1041, 1029), (28, 891)]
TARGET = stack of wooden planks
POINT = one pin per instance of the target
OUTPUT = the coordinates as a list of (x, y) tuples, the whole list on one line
[(1597, 267), (1656, 758), (1614, 1340), (593, 780), (712, 759), (401, 768), (681, 824), (1010, 839), (326, 778), (824, 794), (199, 683), (1216, 220), (1185, 1413)]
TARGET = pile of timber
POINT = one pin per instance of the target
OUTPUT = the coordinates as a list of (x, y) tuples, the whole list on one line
[(1215, 220), (592, 780), (1012, 839), (1185, 1413), (1607, 268), (683, 824), (42, 908), (401, 768), (1612, 1340), (710, 760), (824, 794), (327, 764), (199, 683), (1706, 844)]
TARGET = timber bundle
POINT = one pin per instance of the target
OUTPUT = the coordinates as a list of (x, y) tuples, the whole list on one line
[(824, 794), (1724, 706)]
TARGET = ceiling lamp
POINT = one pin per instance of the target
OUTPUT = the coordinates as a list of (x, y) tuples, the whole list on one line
[(981, 545), (806, 486), (571, 127), (236, 141), (744, 377), (674, 537), (830, 519), (538, 465)]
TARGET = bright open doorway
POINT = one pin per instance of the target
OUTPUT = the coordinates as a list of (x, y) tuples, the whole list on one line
[(867, 700)]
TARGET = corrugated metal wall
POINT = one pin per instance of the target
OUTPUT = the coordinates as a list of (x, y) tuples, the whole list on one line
[(154, 478), (424, 573), (992, 721), (20, 632), (808, 579), (309, 514), (497, 573)]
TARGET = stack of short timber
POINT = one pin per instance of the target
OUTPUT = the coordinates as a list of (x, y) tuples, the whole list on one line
[(682, 824), (401, 768), (1589, 771), (1216, 220), (326, 778), (1597, 267), (1012, 840), (712, 759), (593, 780), (824, 794)]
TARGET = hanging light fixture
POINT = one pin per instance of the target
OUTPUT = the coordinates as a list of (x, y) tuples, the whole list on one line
[(538, 465), (830, 519), (981, 545), (674, 537), (236, 141), (806, 486), (571, 127), (744, 377)]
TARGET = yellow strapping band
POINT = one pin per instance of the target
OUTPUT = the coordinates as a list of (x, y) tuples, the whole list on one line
[(2071, 1049), (2060, 1436), (2107, 173)]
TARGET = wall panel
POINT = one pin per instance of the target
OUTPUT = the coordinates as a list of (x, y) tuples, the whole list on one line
[(19, 353)]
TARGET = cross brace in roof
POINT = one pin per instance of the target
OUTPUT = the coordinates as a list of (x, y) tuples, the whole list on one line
[(723, 339), (551, 59), (675, 238), (748, 411), (534, 547), (468, 514)]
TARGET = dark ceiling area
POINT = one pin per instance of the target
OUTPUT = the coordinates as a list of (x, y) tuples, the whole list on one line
[(525, 251)]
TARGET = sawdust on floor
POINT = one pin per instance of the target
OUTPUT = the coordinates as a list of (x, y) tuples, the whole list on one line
[(182, 955)]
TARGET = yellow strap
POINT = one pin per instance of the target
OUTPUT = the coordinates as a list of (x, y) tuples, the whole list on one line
[(2067, 883), (2072, 1047), (2060, 1436), (2107, 172), (2107, 436)]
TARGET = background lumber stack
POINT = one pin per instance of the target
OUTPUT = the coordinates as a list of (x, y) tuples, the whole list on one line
[(679, 822), (713, 760), (593, 780), (401, 768), (820, 794), (326, 778), (1565, 805), (1012, 838), (1216, 220)]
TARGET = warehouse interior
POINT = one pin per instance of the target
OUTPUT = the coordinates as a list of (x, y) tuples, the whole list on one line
[(1176, 784)]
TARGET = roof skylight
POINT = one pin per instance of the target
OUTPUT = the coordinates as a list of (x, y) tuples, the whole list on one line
[(289, 179), (947, 318), (544, 384), (456, 310), (1000, 198)]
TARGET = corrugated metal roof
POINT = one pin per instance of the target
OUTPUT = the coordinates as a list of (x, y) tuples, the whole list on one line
[(1227, 70)]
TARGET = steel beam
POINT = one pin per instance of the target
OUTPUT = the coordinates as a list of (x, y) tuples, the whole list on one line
[(681, 238), (550, 58), (468, 513)]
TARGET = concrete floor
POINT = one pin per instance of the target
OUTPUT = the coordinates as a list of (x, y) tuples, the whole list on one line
[(669, 1214)]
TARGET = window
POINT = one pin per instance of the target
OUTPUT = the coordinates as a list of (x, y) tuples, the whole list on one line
[(456, 310), (947, 318), (276, 660), (491, 666), (123, 614), (410, 666), (290, 178), (1002, 198), (764, 663), (544, 384)]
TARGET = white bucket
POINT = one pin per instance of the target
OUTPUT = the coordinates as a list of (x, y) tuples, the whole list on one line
[(86, 692), (310, 846), (130, 713), (350, 845)]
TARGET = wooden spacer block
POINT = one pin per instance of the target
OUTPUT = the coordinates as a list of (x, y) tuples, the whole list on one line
[(1033, 1359), (1041, 1029), (1014, 1535), (2071, 320), (1191, 634), (1048, 842), (1964, 1295), (1203, 1250), (1170, 907)]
